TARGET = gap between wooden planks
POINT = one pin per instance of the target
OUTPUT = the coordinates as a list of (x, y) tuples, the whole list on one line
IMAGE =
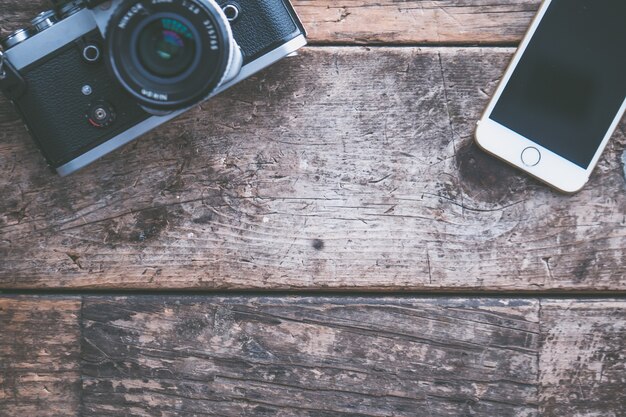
[(311, 356)]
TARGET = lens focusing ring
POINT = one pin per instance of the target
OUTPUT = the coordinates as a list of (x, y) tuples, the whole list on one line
[(169, 55)]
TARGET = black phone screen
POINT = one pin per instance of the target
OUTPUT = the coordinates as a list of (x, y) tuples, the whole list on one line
[(571, 81)]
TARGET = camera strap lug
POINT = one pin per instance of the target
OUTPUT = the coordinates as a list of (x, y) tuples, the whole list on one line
[(11, 82)]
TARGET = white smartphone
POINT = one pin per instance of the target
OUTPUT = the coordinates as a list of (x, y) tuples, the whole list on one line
[(564, 93)]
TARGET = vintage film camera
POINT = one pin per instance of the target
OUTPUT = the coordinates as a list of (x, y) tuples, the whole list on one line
[(91, 76)]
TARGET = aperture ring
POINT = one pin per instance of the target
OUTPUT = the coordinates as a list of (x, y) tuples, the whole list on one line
[(145, 41)]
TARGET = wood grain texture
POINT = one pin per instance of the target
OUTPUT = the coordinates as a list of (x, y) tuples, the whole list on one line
[(583, 359), (39, 356), (344, 168), (366, 22), (341, 168), (184, 356), (411, 22), (151, 356)]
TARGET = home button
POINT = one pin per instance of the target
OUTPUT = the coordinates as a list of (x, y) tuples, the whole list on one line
[(531, 156)]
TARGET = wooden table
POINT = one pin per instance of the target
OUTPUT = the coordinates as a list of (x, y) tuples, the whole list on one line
[(322, 240)]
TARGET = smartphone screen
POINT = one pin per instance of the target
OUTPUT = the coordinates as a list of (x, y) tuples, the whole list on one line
[(571, 80)]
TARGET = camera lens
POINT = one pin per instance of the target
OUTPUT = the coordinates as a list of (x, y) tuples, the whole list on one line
[(166, 47), (170, 54)]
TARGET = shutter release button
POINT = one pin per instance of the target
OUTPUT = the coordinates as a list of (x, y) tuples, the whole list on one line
[(531, 156)]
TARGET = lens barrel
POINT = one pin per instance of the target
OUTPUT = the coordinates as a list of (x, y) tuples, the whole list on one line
[(169, 55)]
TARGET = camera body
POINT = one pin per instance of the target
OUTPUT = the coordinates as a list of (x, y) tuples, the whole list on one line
[(91, 76)]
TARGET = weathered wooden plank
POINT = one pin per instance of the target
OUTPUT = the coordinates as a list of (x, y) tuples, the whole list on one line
[(188, 356), (415, 21), (39, 356), (322, 356), (342, 168), (583, 359), (387, 21)]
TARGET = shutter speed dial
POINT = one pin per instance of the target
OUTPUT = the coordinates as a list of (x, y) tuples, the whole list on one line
[(100, 114)]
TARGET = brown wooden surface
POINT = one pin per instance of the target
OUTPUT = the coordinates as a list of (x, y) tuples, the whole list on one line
[(345, 168), (380, 22), (583, 358), (341, 168), (410, 22), (313, 356), (39, 356)]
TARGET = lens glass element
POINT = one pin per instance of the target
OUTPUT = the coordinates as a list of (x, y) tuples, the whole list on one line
[(169, 54), (166, 47)]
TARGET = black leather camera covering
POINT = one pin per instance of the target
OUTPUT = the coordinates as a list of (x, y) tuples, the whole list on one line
[(54, 106), (263, 25)]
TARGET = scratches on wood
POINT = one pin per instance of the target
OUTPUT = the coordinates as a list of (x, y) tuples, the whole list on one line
[(345, 168), (387, 21), (624, 165), (182, 356), (379, 165), (39, 356), (310, 356), (411, 22), (583, 360)]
